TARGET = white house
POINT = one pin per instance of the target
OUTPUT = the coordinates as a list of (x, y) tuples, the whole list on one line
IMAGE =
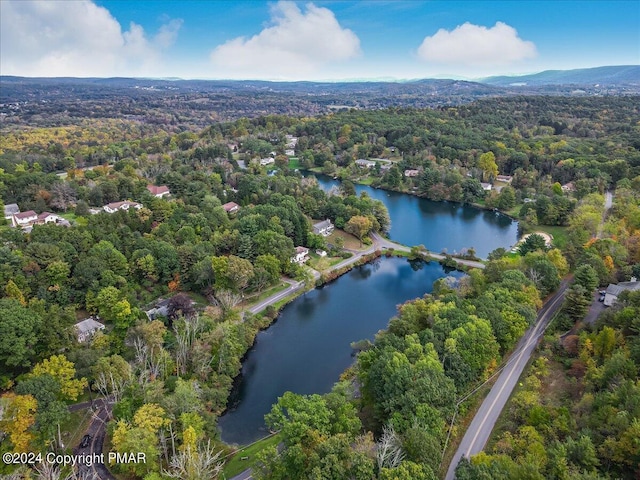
[(87, 328), (504, 178), (301, 256), (267, 161), (411, 173), (115, 206), (48, 217), (324, 228), (568, 187), (158, 191), (24, 218), (290, 153), (361, 162), (486, 186), (321, 253)]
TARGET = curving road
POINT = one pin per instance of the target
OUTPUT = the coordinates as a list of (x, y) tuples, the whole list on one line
[(382, 242), (97, 429), (482, 424)]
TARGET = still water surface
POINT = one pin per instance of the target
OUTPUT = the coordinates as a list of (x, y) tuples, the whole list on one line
[(440, 226), (308, 347)]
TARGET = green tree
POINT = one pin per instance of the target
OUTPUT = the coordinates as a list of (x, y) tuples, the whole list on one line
[(487, 163), (359, 226), (587, 277), (64, 372), (533, 243), (576, 302), (18, 334)]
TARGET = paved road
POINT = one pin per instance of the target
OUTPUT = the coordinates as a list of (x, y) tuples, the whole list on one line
[(382, 242), (482, 424), (608, 203), (97, 430)]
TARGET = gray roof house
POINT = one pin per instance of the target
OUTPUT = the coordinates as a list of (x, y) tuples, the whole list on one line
[(613, 291), (324, 228), (361, 162), (87, 328), (160, 309), (11, 210)]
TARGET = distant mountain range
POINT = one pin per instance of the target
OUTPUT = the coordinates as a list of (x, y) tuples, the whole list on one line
[(611, 75), (202, 101), (603, 76)]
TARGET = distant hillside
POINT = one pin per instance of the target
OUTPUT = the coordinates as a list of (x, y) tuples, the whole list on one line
[(612, 75), (200, 102)]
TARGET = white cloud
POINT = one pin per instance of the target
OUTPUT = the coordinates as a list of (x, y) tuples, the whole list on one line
[(295, 45), (476, 46), (75, 38)]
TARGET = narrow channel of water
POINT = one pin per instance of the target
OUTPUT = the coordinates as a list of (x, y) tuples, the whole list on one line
[(440, 226), (308, 347)]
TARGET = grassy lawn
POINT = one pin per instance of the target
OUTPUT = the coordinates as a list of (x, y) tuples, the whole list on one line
[(559, 234), (514, 212), (258, 297), (294, 163), (74, 219), (323, 263), (350, 242), (365, 181), (198, 298), (235, 464), (72, 430)]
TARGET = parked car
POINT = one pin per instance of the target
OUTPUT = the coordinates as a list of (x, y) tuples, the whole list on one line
[(86, 440)]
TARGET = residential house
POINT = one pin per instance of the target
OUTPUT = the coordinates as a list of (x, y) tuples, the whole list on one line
[(158, 191), (290, 153), (125, 205), (486, 186), (568, 187), (24, 219), (301, 256), (361, 162), (613, 291), (48, 217), (11, 210), (161, 308), (266, 161), (231, 207), (291, 141), (504, 178), (324, 228), (321, 253), (87, 328), (385, 167), (411, 173)]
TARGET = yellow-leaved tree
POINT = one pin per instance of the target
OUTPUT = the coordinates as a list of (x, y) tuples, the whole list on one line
[(64, 372), (19, 414)]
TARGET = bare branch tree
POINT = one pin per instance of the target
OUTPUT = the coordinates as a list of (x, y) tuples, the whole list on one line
[(227, 299), (195, 465), (389, 452)]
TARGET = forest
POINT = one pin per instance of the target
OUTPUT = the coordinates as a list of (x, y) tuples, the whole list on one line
[(549, 162)]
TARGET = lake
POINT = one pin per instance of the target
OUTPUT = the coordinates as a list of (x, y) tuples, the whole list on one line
[(440, 226), (308, 347)]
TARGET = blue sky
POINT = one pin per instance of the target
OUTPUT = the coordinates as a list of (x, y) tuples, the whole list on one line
[(323, 40)]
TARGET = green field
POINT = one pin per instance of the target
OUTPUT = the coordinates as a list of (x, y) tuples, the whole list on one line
[(559, 234), (294, 163), (236, 464)]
